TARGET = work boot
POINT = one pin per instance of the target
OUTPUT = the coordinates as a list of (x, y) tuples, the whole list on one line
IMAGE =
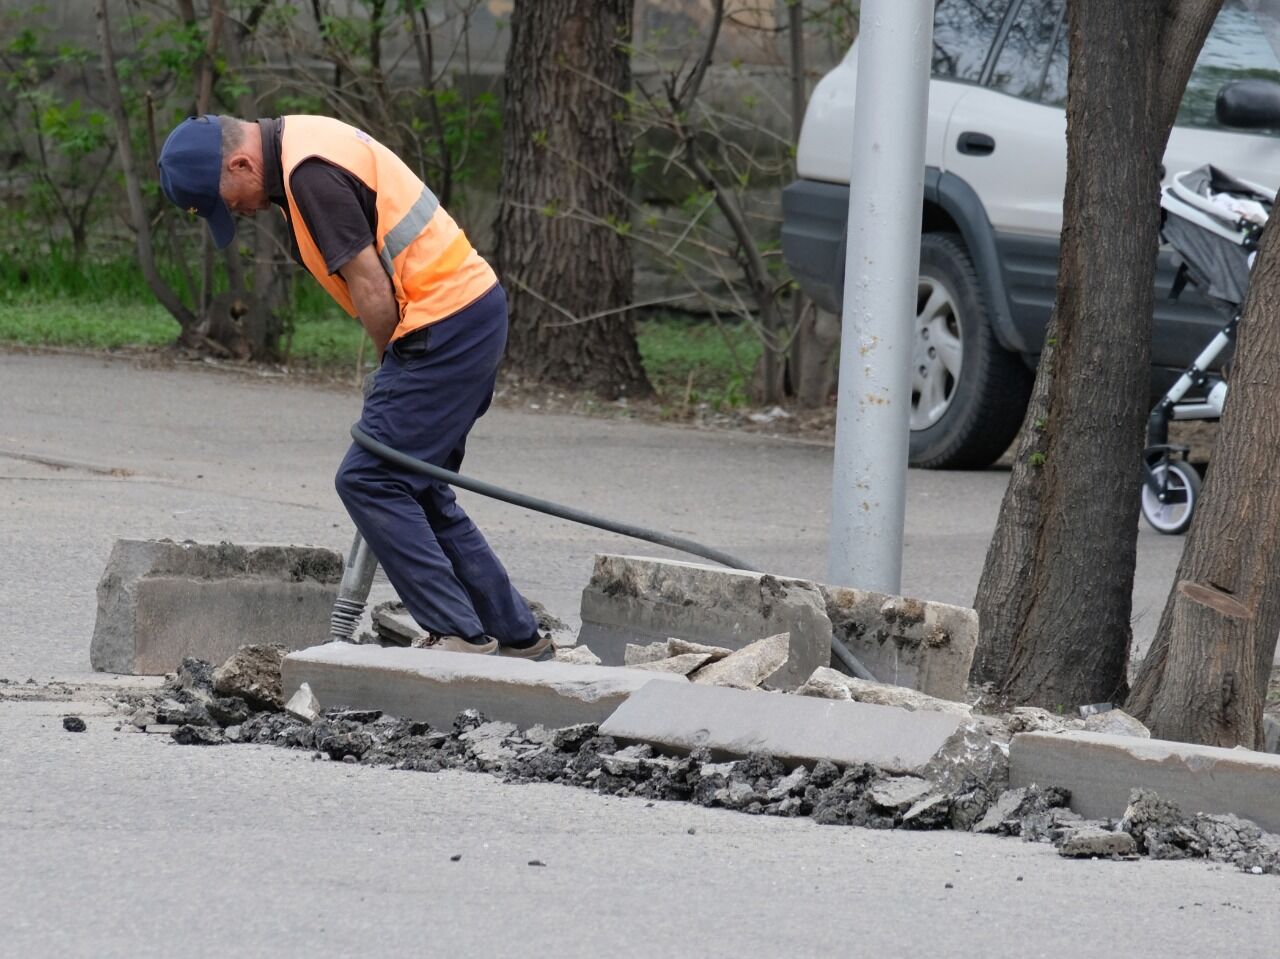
[(456, 644), (538, 648)]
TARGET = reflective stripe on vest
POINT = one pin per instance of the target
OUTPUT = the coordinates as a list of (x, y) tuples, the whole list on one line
[(434, 270), (398, 238)]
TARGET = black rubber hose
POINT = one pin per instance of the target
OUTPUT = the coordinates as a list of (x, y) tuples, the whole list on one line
[(577, 516), (542, 505)]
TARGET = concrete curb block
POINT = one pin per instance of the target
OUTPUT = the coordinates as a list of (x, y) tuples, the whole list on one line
[(922, 645), (1101, 770), (634, 599), (434, 686), (735, 722), (159, 601)]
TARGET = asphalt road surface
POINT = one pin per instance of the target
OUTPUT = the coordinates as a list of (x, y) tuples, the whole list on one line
[(122, 844)]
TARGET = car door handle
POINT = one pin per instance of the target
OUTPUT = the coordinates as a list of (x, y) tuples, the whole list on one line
[(976, 144)]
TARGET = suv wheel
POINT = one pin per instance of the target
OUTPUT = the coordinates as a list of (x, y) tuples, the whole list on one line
[(968, 393)]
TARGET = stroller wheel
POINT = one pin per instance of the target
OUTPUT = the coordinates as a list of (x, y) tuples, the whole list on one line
[(1180, 479)]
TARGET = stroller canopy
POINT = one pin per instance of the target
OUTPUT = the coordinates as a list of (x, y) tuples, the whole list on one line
[(1213, 221)]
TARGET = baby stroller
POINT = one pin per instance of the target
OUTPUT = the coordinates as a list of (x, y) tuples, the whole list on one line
[(1213, 222)]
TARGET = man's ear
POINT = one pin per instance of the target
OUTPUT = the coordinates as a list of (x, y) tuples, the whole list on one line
[(239, 163)]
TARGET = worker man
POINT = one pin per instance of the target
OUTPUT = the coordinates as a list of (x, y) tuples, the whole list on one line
[(378, 241)]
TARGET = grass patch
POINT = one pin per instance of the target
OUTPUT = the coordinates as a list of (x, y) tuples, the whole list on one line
[(328, 341), (322, 342), (95, 326), (709, 363), (104, 309)]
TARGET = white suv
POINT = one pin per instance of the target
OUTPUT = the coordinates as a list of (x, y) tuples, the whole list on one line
[(995, 172)]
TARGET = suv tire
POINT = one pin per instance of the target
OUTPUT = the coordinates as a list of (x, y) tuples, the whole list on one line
[(969, 422)]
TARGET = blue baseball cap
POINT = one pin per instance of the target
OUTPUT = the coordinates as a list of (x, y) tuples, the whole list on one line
[(191, 174)]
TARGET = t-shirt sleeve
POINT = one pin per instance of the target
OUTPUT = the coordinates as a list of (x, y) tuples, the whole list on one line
[(338, 209)]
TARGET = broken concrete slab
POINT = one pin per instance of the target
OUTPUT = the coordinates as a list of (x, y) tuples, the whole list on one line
[(796, 729), (393, 625), (906, 642), (1101, 770), (578, 655), (750, 666), (976, 753), (303, 704), (828, 683), (160, 601), (635, 655), (1034, 719), (434, 686), (682, 647), (1116, 722), (684, 664), (639, 601)]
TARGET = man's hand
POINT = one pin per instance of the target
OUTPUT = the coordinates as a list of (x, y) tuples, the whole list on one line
[(374, 299)]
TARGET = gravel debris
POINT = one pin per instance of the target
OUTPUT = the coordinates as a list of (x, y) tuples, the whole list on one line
[(966, 793)]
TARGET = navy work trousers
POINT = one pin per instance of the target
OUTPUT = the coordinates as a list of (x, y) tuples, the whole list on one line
[(432, 386)]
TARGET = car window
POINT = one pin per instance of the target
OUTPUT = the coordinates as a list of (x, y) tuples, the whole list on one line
[(1022, 62), (1235, 48), (963, 31)]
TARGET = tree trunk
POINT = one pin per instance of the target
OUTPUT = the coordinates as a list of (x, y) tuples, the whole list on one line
[(812, 360), (1003, 599), (1060, 569), (1205, 677), (561, 249), (812, 357), (424, 45), (250, 321), (132, 181)]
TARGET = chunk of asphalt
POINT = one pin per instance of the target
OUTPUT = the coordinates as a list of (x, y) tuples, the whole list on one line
[(734, 722), (253, 674), (1089, 841)]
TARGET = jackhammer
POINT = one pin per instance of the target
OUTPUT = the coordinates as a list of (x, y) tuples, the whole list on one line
[(357, 577)]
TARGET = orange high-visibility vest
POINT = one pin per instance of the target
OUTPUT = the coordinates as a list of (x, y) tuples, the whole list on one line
[(433, 267)]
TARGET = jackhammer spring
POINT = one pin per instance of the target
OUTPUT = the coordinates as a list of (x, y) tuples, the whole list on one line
[(343, 620)]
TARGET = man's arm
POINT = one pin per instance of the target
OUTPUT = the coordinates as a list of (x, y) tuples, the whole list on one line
[(372, 295)]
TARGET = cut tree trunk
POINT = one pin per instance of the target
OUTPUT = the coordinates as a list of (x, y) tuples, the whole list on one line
[(1060, 569), (562, 252), (1205, 677), (1213, 693)]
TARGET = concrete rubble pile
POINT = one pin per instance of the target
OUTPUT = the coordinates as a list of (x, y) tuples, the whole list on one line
[(750, 667), (963, 788)]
